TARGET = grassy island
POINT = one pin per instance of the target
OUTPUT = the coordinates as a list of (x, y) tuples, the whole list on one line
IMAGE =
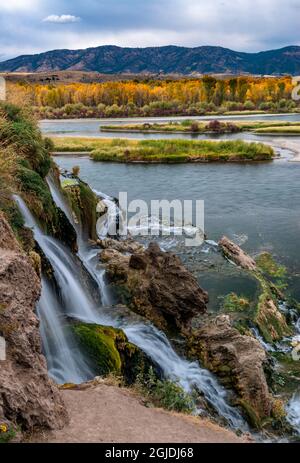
[(168, 151), (213, 127)]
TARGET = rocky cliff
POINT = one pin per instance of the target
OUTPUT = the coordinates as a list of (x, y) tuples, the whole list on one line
[(28, 398)]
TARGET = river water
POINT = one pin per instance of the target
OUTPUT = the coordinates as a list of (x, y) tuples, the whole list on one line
[(256, 205)]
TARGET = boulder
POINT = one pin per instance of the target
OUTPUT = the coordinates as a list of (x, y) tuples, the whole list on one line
[(111, 352), (234, 253), (157, 286), (128, 245), (239, 361)]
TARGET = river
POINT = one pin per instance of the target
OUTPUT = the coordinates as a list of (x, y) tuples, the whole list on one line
[(254, 204), (257, 205)]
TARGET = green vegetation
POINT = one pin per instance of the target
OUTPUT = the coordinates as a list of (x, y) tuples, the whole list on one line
[(166, 394), (169, 151), (101, 344), (267, 264), (293, 129), (83, 202), (234, 303), (277, 273), (214, 126), (24, 163), (7, 434), (111, 352)]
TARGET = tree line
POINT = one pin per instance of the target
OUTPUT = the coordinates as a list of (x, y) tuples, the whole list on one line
[(155, 98)]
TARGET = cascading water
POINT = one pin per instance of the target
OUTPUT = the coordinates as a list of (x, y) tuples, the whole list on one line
[(64, 359), (79, 304), (293, 408), (189, 374), (65, 362), (87, 254)]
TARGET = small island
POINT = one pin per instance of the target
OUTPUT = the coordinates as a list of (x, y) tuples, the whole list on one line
[(208, 127), (165, 151)]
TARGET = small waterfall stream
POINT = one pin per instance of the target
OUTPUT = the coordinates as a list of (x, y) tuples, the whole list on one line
[(65, 362), (78, 303)]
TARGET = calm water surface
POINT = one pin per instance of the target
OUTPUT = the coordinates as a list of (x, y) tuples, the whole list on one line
[(257, 205)]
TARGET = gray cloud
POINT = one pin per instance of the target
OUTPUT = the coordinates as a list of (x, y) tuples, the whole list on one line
[(244, 25)]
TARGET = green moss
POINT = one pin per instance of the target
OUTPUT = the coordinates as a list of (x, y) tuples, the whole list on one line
[(270, 321), (100, 343), (251, 414), (89, 203), (32, 183), (83, 202), (111, 351), (267, 264)]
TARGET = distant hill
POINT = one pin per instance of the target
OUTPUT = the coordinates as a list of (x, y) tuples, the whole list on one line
[(154, 60)]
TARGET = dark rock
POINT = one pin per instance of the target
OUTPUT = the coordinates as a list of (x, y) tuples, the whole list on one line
[(158, 285)]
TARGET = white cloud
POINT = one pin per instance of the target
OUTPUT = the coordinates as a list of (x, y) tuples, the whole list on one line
[(62, 19), (12, 6)]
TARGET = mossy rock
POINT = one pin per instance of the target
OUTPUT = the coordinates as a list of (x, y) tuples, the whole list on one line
[(269, 266), (270, 321), (39, 200), (83, 202), (111, 351)]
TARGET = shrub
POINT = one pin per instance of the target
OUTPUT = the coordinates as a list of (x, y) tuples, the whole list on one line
[(195, 127), (249, 105), (234, 303), (76, 171), (215, 126), (165, 393)]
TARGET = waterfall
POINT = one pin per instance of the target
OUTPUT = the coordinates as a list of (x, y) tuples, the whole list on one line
[(79, 303), (65, 362), (293, 408), (188, 374), (86, 253), (64, 359)]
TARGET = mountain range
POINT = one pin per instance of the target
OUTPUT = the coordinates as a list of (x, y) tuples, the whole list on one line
[(153, 60)]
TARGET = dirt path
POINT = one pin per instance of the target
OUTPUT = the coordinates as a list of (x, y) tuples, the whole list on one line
[(111, 414)]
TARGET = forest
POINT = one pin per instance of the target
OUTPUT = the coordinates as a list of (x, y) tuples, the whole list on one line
[(185, 97)]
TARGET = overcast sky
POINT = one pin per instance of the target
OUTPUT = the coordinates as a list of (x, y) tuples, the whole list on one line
[(31, 26)]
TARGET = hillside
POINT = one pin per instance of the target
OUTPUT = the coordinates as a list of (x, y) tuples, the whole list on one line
[(153, 60)]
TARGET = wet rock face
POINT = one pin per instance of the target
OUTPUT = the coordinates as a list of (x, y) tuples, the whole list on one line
[(158, 285), (238, 360), (28, 397)]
